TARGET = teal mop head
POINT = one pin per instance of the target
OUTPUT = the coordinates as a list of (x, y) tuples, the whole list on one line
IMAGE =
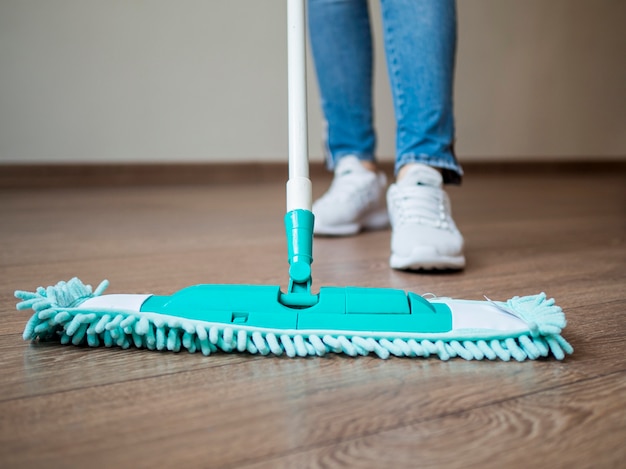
[(248, 318)]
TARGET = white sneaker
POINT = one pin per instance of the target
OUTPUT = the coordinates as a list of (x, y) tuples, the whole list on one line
[(354, 202), (424, 235)]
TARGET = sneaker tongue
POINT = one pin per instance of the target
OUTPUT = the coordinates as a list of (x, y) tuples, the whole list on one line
[(421, 175)]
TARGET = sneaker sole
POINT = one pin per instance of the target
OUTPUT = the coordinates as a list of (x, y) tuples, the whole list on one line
[(426, 261), (373, 221)]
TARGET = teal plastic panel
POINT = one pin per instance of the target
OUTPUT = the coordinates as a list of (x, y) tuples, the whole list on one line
[(375, 323), (376, 301), (332, 300), (284, 320), (252, 305), (338, 308)]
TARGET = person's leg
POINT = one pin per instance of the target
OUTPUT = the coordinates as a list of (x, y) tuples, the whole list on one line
[(341, 45), (420, 45), (342, 51)]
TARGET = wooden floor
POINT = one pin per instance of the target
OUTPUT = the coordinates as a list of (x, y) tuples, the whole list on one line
[(64, 406)]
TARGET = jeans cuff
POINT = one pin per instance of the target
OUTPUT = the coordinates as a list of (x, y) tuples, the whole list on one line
[(451, 170)]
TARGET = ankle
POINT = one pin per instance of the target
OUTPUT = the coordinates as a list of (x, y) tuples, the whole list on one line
[(407, 167), (369, 165)]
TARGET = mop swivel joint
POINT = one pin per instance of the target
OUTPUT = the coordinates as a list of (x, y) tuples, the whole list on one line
[(299, 231)]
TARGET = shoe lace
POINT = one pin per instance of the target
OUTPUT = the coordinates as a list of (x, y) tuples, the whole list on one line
[(422, 205)]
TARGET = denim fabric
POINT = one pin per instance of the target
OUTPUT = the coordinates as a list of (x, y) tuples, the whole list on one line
[(420, 47)]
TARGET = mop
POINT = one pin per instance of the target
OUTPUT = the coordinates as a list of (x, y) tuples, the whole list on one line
[(261, 319)]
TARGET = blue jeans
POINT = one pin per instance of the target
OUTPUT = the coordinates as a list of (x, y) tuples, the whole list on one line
[(420, 47)]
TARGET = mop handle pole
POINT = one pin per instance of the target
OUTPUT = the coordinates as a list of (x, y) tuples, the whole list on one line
[(299, 192)]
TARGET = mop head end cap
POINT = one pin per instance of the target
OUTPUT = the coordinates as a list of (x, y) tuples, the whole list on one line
[(349, 320)]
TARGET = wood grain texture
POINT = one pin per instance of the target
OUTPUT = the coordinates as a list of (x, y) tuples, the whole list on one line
[(579, 425), (75, 407)]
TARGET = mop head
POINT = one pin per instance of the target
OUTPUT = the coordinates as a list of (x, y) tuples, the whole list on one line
[(249, 319)]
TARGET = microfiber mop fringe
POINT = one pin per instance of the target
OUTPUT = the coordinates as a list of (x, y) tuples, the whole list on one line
[(57, 313)]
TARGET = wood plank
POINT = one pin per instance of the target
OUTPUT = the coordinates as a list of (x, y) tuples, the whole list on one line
[(577, 425), (40, 369), (251, 410)]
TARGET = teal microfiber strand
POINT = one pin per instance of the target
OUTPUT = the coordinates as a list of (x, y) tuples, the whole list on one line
[(57, 315)]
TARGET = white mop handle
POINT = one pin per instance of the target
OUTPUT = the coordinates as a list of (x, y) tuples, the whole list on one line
[(299, 192)]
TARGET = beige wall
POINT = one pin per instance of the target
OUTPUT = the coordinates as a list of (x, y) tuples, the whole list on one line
[(205, 80)]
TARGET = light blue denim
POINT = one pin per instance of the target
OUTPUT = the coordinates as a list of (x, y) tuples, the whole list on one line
[(420, 47)]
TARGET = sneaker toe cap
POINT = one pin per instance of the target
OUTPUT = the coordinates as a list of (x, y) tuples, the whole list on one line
[(427, 241)]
